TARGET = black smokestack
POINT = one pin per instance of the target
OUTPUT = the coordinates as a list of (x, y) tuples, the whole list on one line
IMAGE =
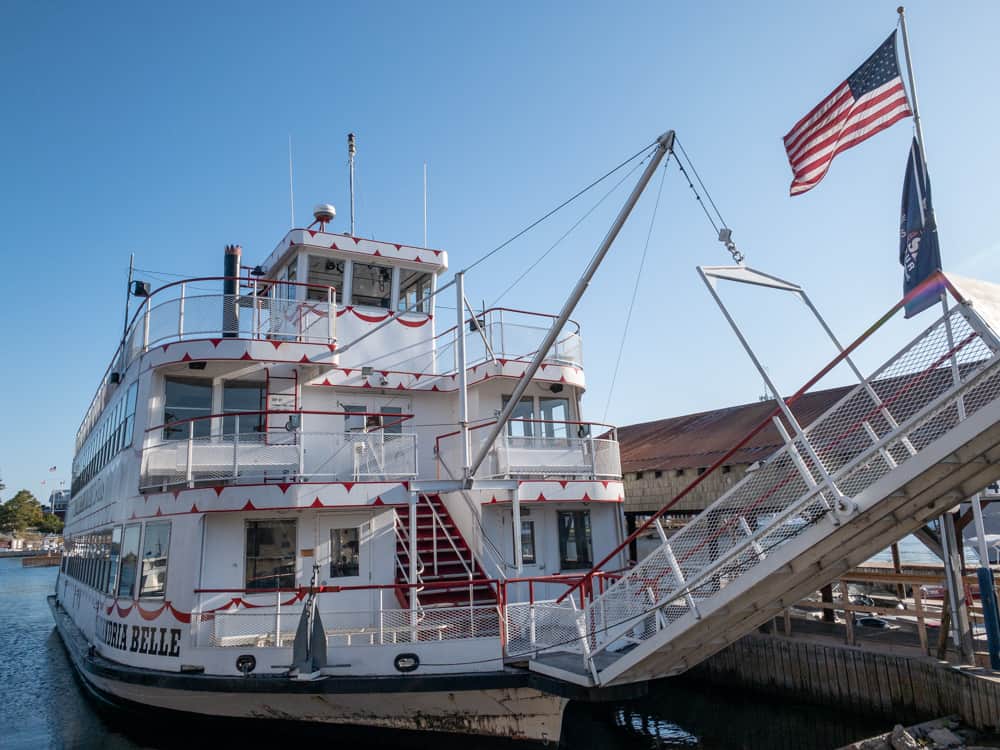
[(231, 290)]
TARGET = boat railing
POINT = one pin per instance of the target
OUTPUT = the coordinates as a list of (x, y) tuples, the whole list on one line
[(374, 615), (537, 449), (276, 446), (190, 309), (494, 335), (195, 309)]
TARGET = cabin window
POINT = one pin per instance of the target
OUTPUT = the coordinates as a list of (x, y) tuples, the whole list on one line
[(155, 550), (354, 419), (291, 274), (114, 558), (527, 542), (525, 412), (187, 398), (245, 396), (550, 417), (270, 554), (392, 420), (554, 413), (372, 285), (130, 561), (575, 544), (345, 558), (414, 291), (325, 272)]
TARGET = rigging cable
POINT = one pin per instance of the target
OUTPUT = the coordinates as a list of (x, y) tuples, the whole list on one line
[(722, 231), (569, 231), (558, 208), (635, 289)]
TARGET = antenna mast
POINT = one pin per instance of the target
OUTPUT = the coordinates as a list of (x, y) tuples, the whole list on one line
[(351, 151), (425, 204), (291, 191)]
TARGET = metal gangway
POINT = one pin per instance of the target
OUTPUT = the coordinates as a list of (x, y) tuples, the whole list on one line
[(913, 439)]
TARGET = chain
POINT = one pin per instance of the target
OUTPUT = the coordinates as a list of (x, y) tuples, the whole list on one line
[(725, 234)]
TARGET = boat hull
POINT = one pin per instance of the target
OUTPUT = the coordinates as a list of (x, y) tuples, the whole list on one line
[(502, 705)]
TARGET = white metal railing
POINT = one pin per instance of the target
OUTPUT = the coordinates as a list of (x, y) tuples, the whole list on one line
[(270, 619), (906, 405), (278, 455), (501, 335), (189, 310), (537, 456)]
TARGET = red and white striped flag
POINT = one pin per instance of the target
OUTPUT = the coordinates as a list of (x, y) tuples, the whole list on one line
[(870, 100)]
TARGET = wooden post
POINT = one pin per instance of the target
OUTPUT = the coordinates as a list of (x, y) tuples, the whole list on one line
[(848, 614), (788, 621), (944, 631), (826, 595), (898, 569), (918, 606), (633, 553)]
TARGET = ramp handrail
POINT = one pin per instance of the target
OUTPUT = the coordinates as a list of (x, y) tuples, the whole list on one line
[(937, 279)]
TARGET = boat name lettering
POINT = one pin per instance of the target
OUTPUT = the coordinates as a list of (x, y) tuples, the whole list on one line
[(140, 639)]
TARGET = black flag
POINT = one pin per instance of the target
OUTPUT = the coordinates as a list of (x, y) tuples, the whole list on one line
[(919, 253)]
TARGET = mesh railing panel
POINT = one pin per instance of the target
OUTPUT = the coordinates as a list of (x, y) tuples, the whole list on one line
[(257, 627), (909, 403), (276, 456), (542, 626)]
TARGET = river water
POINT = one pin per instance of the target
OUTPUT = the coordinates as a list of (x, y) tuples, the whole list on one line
[(42, 706)]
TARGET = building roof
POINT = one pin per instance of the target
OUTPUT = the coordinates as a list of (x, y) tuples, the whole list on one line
[(698, 440)]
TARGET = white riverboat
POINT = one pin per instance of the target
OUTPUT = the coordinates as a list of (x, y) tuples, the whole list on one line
[(298, 494), (270, 514)]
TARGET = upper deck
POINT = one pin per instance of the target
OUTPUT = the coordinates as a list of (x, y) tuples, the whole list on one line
[(343, 313)]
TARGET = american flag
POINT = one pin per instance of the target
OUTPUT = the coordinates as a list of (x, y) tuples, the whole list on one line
[(871, 99)]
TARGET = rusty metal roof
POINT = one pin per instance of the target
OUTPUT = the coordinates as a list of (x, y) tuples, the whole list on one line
[(698, 440)]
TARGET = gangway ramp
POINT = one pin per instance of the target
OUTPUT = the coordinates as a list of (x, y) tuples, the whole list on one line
[(913, 439)]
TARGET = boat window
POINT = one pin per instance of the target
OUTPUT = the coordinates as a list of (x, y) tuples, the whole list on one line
[(155, 549), (130, 413), (114, 558), (354, 423), (187, 398), (270, 554), (414, 291), (575, 545), (524, 410), (527, 542), (130, 561), (325, 272), (243, 396), (345, 559), (287, 291), (392, 419), (372, 285), (554, 413)]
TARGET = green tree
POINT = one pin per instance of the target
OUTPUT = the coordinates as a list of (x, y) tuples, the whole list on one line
[(21, 512), (51, 524)]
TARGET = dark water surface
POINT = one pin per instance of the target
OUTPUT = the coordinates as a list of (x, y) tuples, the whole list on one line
[(42, 706)]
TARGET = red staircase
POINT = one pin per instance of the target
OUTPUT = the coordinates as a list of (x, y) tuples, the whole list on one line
[(443, 557)]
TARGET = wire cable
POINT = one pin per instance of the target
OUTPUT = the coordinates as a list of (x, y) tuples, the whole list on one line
[(698, 177), (558, 208), (635, 289), (569, 231)]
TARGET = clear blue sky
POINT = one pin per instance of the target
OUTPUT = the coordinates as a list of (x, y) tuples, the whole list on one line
[(161, 129)]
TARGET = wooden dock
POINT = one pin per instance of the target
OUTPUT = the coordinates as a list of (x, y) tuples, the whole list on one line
[(50, 560)]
